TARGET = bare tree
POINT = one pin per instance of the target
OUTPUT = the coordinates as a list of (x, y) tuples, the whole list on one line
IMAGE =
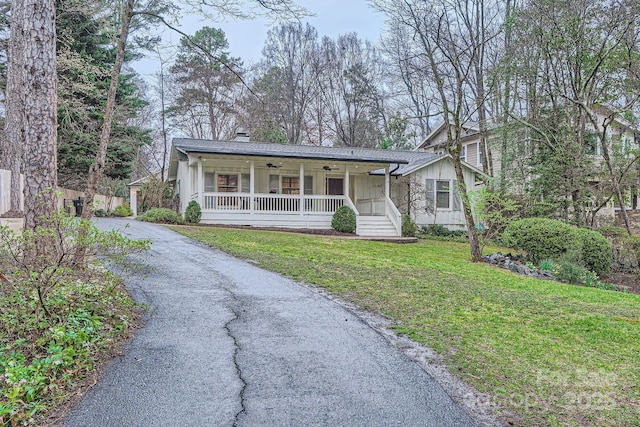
[(441, 36)]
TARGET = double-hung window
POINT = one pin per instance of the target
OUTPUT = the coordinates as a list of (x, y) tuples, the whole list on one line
[(290, 185), (227, 183), (443, 194)]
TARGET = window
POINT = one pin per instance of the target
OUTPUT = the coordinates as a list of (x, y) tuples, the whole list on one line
[(591, 145), (227, 183), (442, 194), (463, 153), (479, 154), (290, 185), (209, 182), (443, 190)]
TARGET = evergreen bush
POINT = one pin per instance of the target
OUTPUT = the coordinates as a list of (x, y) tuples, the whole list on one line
[(344, 220), (595, 250), (409, 227), (161, 215), (193, 213), (122, 210), (540, 238)]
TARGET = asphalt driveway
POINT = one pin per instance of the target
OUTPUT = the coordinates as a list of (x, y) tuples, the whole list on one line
[(227, 343)]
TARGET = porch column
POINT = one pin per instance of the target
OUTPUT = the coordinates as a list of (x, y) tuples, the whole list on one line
[(252, 185), (200, 181), (387, 192), (346, 182), (301, 188)]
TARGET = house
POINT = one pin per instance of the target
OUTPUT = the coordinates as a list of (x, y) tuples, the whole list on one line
[(296, 186), (426, 188), (470, 138)]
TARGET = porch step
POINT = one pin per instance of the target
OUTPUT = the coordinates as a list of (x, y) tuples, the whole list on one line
[(375, 226)]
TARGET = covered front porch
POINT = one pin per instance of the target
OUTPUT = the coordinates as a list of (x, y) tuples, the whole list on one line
[(285, 192)]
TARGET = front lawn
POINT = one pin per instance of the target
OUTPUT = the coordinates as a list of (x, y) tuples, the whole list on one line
[(552, 354)]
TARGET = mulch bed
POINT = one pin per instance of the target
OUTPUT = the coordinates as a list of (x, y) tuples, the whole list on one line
[(628, 280)]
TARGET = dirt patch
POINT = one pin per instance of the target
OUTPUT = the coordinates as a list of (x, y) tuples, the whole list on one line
[(629, 281), (12, 214)]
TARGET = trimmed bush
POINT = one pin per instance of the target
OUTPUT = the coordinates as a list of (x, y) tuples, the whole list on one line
[(122, 210), (595, 250), (161, 215), (437, 230), (193, 213), (344, 220), (540, 238), (409, 227)]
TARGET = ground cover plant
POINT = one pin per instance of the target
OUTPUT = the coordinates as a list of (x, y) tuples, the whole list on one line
[(59, 314), (545, 353)]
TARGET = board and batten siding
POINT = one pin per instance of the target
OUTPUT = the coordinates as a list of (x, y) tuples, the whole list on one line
[(424, 181)]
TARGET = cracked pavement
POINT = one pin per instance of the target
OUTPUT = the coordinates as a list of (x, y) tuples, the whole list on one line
[(226, 343)]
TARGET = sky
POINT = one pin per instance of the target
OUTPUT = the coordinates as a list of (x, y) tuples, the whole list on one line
[(246, 38)]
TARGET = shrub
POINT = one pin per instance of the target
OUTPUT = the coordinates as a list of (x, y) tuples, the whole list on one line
[(625, 248), (58, 311), (546, 265), (437, 230), (101, 213), (540, 238), (569, 271), (409, 227), (193, 213), (344, 220), (595, 250), (122, 210), (161, 215)]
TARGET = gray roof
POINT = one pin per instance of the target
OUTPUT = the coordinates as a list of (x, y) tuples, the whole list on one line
[(291, 151), (415, 160)]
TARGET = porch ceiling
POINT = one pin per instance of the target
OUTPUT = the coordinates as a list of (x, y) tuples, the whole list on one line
[(284, 164)]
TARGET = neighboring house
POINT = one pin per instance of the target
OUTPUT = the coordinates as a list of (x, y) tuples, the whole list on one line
[(296, 186), (471, 153)]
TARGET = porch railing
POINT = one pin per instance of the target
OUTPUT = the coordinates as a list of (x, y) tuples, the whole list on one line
[(394, 215), (272, 203), (374, 206)]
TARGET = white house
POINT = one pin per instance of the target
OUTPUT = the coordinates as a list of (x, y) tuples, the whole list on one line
[(295, 186)]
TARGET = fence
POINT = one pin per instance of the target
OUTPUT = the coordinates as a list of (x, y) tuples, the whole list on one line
[(101, 202)]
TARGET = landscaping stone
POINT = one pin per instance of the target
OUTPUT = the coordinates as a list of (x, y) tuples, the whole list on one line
[(513, 263)]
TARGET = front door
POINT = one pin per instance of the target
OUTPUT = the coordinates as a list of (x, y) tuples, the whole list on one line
[(335, 186)]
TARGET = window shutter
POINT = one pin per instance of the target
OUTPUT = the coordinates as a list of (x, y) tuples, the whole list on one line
[(274, 183), (457, 202), (430, 189), (308, 184), (245, 183)]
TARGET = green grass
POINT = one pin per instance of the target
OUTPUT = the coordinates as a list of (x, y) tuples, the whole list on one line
[(547, 353)]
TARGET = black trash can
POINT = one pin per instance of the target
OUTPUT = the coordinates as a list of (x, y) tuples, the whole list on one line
[(77, 203)]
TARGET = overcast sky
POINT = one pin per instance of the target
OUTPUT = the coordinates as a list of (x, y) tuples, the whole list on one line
[(246, 38)]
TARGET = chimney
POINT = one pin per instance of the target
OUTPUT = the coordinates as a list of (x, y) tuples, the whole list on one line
[(242, 136)]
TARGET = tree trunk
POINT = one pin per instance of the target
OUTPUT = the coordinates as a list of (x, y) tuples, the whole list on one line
[(96, 170), (474, 244), (37, 44), (14, 138)]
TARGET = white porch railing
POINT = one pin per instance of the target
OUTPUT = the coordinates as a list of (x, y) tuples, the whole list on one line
[(371, 206), (394, 215), (272, 203)]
